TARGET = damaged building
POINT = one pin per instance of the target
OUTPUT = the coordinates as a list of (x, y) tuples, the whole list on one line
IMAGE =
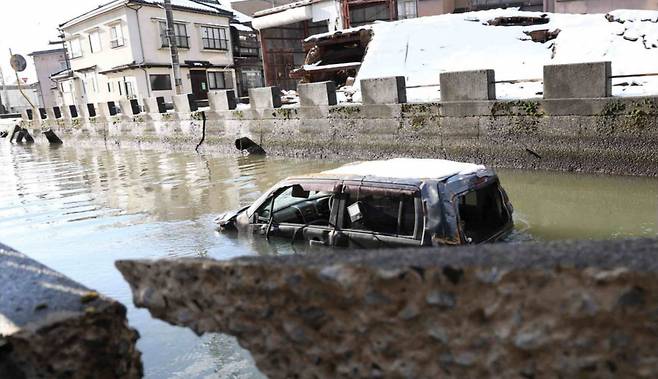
[(289, 57)]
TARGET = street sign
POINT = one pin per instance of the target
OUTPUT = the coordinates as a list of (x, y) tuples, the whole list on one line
[(18, 63)]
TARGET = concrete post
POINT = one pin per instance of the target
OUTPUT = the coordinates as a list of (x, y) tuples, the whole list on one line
[(83, 111), (50, 113), (313, 94), (91, 110), (126, 108), (102, 111), (265, 97), (184, 103), (580, 80), (221, 100), (392, 90), (153, 105), (468, 85), (26, 116), (66, 112)]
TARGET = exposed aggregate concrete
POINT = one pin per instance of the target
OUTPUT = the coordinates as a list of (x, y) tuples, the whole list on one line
[(569, 309), (53, 327)]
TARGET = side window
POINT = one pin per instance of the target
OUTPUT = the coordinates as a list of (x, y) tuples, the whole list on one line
[(280, 200), (386, 214)]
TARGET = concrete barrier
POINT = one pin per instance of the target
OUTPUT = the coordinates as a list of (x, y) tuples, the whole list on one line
[(184, 103), (57, 112), (26, 116), (155, 104), (53, 327), (68, 112), (126, 108), (468, 85), (112, 108), (579, 80), (568, 309), (384, 90), (91, 110), (222, 100), (265, 97), (314, 94), (102, 111)]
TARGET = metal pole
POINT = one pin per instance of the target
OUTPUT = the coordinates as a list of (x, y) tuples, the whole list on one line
[(173, 48), (18, 83), (4, 90)]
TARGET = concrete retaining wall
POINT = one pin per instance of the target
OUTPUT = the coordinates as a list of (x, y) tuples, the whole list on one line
[(52, 327), (573, 133), (579, 309)]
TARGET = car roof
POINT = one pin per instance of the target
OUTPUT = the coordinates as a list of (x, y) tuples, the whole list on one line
[(399, 170)]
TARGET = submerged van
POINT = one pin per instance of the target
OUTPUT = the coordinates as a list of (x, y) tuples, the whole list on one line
[(386, 203)]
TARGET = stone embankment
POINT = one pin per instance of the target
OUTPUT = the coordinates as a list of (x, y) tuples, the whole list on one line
[(569, 309), (576, 126), (53, 327)]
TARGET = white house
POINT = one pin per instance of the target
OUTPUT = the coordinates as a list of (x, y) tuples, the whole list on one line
[(120, 50)]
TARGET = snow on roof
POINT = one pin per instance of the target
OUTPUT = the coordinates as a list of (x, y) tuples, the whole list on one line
[(421, 48), (407, 168), (242, 28)]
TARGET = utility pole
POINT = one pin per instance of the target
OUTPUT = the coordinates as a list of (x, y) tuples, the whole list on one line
[(173, 48), (4, 91)]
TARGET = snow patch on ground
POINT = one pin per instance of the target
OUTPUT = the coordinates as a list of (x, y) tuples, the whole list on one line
[(421, 48)]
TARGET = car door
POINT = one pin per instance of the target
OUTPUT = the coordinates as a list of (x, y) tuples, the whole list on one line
[(376, 217)]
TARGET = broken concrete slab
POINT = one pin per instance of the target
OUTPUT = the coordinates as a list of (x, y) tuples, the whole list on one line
[(53, 327), (563, 309)]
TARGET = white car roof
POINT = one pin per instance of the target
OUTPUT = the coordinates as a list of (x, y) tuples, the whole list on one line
[(407, 168)]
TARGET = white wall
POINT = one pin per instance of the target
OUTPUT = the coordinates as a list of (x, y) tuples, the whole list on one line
[(154, 52), (141, 25), (45, 65)]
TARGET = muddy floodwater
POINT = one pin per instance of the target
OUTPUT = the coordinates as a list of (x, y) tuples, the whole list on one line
[(79, 209)]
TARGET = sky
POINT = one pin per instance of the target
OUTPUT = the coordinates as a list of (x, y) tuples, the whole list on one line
[(28, 25)]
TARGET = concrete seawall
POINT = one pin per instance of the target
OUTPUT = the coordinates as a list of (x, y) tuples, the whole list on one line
[(52, 327), (569, 309), (577, 126)]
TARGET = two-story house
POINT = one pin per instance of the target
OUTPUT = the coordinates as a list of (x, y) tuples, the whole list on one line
[(121, 50)]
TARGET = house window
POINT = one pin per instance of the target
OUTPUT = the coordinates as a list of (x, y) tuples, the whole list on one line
[(407, 9), (95, 42), (220, 80), (116, 36), (130, 91), (214, 38), (180, 35), (75, 49), (160, 82)]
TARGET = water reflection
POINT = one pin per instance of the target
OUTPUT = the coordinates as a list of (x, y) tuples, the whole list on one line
[(79, 209)]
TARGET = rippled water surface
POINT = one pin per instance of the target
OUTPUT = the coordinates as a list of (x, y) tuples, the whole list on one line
[(79, 209)]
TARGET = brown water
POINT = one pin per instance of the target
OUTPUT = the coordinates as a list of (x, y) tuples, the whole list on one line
[(79, 209)]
